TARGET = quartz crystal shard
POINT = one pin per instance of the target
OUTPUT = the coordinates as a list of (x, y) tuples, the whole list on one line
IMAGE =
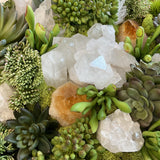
[(118, 133), (97, 59)]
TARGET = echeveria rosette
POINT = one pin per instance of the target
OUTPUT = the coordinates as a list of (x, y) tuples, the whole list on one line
[(36, 34), (23, 72), (142, 52), (76, 142), (79, 16), (31, 131), (102, 101), (142, 92)]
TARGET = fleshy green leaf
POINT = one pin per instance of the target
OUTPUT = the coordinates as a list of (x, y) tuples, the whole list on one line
[(22, 154)]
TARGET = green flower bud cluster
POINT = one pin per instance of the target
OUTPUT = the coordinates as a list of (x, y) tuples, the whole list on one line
[(142, 92), (23, 71), (36, 34), (76, 142), (37, 155), (143, 52), (77, 16), (6, 148), (151, 149), (102, 101), (30, 130)]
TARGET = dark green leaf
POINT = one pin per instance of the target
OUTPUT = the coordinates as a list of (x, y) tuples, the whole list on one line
[(44, 115), (44, 144), (22, 154), (36, 111), (16, 114), (11, 138), (11, 123)]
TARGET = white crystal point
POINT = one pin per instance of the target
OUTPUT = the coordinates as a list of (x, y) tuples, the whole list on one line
[(54, 68), (99, 63), (118, 133), (156, 57)]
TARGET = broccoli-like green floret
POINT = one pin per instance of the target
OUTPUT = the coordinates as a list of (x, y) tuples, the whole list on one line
[(23, 72), (148, 25)]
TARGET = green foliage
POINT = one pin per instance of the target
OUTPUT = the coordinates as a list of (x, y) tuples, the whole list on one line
[(143, 52), (31, 131), (155, 7), (37, 155), (36, 34), (11, 28), (142, 93), (109, 156), (6, 148), (137, 9), (76, 142), (132, 156), (45, 95), (148, 25), (23, 72), (102, 101), (151, 147), (78, 16)]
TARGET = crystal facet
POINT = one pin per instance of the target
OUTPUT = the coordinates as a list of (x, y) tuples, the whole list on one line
[(118, 133)]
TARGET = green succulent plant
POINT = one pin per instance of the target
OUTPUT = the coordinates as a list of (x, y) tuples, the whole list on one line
[(11, 28), (137, 9), (143, 52), (24, 73), (101, 103), (78, 16), (6, 149), (36, 34), (76, 142), (37, 155), (31, 131), (155, 7), (151, 149), (142, 92)]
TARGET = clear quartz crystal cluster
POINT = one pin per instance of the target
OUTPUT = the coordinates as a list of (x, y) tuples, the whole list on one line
[(97, 59), (118, 133)]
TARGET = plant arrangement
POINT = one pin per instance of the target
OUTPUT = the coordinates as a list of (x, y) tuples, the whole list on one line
[(141, 92), (11, 29), (33, 134), (23, 71), (101, 101), (143, 52), (79, 16), (36, 34), (30, 131)]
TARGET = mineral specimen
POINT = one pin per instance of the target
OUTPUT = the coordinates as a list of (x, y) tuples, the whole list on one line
[(86, 58), (62, 100), (5, 93), (118, 133)]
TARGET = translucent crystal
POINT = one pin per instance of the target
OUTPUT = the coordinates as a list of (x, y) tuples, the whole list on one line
[(118, 133), (54, 68), (97, 59), (5, 93)]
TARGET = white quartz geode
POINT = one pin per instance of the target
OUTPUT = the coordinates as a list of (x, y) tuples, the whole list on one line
[(97, 59), (118, 133)]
